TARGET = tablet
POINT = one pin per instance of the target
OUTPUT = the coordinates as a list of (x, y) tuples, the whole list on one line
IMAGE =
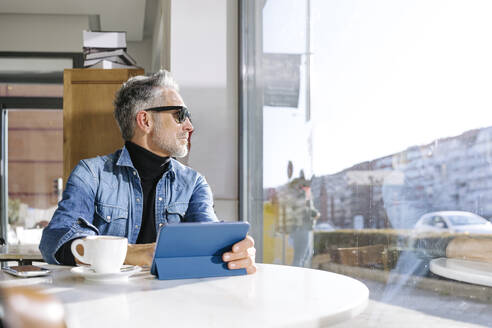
[(194, 250)]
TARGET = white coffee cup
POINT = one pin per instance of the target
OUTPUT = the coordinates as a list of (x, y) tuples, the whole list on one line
[(105, 254)]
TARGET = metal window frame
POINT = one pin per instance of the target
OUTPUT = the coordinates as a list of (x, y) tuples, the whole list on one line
[(251, 119), (37, 77), (3, 174)]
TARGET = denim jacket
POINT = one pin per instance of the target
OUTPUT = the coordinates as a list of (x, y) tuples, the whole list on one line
[(103, 196)]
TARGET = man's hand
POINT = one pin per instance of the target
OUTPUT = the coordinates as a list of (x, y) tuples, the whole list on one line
[(140, 254), (242, 255)]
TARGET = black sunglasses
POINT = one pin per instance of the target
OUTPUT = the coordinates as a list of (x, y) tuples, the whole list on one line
[(182, 112)]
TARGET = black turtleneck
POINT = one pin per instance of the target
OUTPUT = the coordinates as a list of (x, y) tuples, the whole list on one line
[(150, 168)]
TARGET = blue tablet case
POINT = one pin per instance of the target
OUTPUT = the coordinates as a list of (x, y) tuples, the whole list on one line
[(194, 250)]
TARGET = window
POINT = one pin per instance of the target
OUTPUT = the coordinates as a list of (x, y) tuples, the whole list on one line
[(375, 138), (439, 222), (31, 93), (35, 168)]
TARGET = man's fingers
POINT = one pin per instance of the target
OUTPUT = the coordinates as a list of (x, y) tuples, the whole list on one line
[(251, 269), (247, 264), (244, 244), (231, 256), (240, 264), (251, 251)]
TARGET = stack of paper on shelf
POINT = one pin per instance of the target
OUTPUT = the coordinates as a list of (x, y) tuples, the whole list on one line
[(106, 50)]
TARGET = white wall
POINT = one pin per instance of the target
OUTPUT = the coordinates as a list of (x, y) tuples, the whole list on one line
[(55, 33), (204, 61), (141, 52)]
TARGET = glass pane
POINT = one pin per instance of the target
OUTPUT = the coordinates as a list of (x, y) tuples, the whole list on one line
[(287, 235), (30, 64), (35, 163), (378, 146)]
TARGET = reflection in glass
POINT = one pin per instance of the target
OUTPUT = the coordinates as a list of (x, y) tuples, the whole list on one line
[(35, 163), (391, 124)]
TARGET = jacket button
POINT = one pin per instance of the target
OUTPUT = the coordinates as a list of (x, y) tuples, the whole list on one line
[(108, 217), (160, 198), (161, 224)]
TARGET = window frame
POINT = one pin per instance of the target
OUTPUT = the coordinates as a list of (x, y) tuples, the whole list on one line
[(36, 77), (251, 119)]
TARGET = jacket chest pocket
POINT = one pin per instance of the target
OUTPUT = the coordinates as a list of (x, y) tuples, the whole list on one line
[(111, 220), (175, 212)]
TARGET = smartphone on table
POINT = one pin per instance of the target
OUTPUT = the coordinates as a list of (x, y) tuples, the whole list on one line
[(26, 271)]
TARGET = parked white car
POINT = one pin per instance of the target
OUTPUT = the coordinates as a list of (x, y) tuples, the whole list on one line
[(453, 221)]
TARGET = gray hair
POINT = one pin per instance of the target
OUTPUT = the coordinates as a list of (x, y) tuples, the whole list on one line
[(136, 94)]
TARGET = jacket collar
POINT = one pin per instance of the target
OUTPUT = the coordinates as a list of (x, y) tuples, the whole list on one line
[(125, 160)]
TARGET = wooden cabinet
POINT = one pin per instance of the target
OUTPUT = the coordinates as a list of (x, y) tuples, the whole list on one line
[(89, 127)]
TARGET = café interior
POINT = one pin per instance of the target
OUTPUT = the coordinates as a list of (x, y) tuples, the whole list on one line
[(353, 137)]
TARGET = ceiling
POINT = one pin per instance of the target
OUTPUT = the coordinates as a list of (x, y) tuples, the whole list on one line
[(136, 17)]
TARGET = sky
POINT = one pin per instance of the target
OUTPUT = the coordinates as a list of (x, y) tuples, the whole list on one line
[(385, 75)]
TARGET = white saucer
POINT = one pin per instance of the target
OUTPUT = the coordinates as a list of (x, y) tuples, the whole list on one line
[(90, 274)]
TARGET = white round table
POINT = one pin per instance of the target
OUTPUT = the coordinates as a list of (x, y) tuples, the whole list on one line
[(474, 272), (276, 296)]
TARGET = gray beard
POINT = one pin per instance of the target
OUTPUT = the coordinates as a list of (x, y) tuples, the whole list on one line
[(173, 149)]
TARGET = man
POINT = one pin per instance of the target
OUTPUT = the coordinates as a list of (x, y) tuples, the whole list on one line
[(140, 187), (297, 218)]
